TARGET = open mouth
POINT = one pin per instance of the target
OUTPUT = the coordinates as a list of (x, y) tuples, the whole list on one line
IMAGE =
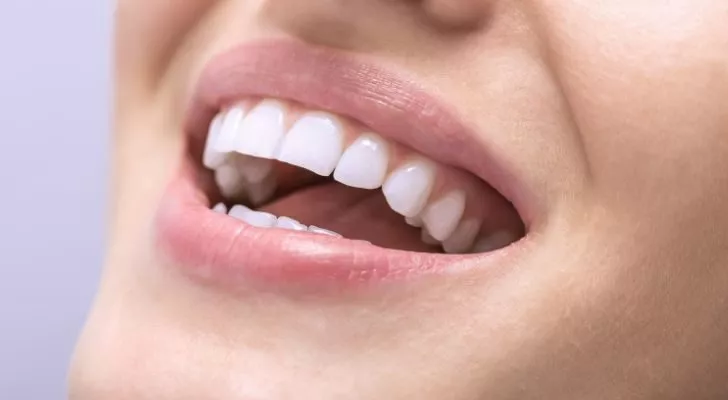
[(295, 175), (280, 165)]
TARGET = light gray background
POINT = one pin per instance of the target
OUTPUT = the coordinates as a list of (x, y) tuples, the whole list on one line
[(54, 80)]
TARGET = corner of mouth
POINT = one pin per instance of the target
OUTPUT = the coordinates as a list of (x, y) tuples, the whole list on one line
[(314, 78)]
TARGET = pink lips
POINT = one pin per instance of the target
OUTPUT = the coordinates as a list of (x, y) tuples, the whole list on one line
[(218, 248)]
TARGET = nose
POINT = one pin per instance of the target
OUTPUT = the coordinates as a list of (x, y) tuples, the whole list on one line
[(353, 24)]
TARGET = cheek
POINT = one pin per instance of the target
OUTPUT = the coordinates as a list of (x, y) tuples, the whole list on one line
[(645, 81), (148, 32)]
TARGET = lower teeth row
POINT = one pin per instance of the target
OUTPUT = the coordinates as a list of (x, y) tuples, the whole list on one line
[(261, 219)]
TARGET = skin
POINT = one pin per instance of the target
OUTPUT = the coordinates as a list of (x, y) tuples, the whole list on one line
[(615, 113)]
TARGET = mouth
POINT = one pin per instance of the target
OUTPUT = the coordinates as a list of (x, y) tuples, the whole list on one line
[(304, 165)]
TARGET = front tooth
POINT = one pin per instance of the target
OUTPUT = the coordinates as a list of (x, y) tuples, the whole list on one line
[(314, 143), (225, 142), (254, 218), (364, 163), (229, 181), (408, 187), (290, 223), (461, 241), (322, 231), (442, 216), (260, 132), (494, 241), (212, 158)]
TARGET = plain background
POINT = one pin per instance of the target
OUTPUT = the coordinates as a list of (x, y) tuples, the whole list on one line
[(54, 92)]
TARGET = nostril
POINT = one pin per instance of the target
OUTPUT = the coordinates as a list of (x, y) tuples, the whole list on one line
[(458, 14)]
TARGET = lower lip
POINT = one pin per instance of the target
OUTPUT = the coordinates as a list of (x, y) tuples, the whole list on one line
[(224, 251)]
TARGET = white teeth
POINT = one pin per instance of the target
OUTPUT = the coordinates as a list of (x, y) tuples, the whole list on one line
[(220, 208), (321, 231), (442, 216), (231, 121), (212, 158), (461, 241), (261, 130), (229, 181), (253, 218), (408, 187), (314, 143), (494, 241), (238, 212), (364, 163), (291, 224)]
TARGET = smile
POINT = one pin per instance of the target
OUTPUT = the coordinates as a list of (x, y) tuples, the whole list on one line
[(311, 167)]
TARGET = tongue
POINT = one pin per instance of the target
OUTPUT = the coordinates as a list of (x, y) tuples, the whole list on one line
[(353, 213)]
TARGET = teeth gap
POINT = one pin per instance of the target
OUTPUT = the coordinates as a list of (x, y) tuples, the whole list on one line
[(245, 168)]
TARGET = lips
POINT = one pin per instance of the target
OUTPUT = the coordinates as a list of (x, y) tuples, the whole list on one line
[(229, 250)]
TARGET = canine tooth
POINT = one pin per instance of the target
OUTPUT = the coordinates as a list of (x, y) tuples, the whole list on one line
[(225, 142), (428, 239), (414, 221), (290, 223), (314, 143), (408, 187), (441, 217), (253, 218), (494, 241), (259, 193), (364, 163), (261, 130), (212, 158), (220, 208), (461, 241), (229, 181), (315, 229)]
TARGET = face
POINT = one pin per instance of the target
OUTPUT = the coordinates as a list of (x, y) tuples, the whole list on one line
[(528, 200)]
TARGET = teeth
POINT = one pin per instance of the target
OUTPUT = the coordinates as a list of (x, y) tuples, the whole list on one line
[(212, 158), (461, 241), (408, 187), (231, 121), (314, 143), (291, 224), (321, 231), (494, 241), (220, 208), (442, 216), (229, 181), (261, 131), (254, 218), (364, 163)]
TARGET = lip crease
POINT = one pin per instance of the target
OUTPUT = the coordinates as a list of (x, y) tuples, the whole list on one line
[(220, 249)]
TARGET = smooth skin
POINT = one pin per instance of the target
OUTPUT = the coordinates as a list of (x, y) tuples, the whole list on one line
[(616, 113)]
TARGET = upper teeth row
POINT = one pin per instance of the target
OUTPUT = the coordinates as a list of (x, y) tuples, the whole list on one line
[(321, 143)]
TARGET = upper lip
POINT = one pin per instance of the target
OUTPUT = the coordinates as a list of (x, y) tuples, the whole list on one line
[(343, 83)]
